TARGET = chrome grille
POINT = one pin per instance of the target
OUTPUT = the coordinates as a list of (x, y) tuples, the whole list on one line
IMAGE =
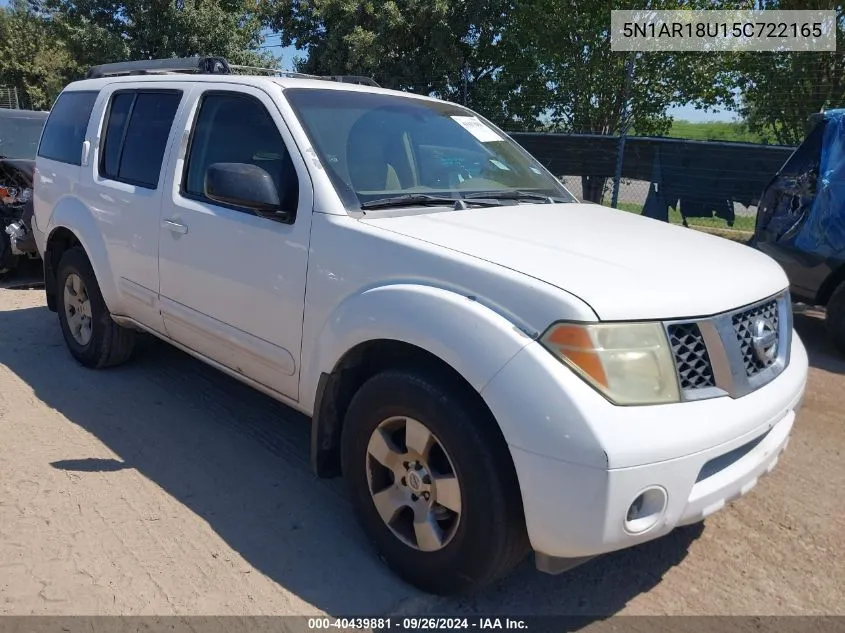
[(743, 322), (691, 358), (715, 356)]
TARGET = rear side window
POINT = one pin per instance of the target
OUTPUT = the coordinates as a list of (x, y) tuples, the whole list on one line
[(115, 129), (65, 129), (137, 129)]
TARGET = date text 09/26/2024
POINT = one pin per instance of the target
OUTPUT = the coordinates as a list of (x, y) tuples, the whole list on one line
[(416, 624)]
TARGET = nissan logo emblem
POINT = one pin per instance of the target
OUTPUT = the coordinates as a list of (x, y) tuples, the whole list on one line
[(764, 340)]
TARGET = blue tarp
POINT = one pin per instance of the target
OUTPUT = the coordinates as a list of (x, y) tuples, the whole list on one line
[(823, 233)]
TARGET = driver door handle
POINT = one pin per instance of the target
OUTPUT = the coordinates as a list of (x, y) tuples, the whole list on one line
[(174, 226)]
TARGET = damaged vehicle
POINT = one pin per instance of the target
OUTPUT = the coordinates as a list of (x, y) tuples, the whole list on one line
[(20, 131), (801, 220)]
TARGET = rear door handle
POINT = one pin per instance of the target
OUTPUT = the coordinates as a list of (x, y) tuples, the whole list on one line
[(174, 226)]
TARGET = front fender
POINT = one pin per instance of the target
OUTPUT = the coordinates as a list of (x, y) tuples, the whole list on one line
[(71, 214), (472, 338)]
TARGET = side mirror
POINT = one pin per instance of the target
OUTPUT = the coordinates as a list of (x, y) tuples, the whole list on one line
[(244, 185)]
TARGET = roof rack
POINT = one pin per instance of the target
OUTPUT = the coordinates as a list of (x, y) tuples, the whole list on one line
[(208, 66), (348, 79), (201, 65)]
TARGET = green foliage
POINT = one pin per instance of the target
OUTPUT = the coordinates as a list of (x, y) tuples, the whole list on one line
[(45, 44), (734, 131), (530, 65), (742, 223), (424, 46), (31, 58), (583, 84), (780, 91), (100, 31)]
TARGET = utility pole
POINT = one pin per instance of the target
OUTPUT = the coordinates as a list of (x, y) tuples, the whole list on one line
[(465, 79), (626, 124)]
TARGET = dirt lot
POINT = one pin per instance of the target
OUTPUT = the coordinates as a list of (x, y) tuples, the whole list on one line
[(164, 487)]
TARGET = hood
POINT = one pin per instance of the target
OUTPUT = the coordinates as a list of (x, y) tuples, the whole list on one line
[(623, 265)]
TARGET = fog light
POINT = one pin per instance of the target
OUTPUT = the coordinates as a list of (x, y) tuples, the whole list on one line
[(645, 511), (635, 509)]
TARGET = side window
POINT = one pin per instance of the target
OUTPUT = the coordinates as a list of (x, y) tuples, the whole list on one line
[(235, 128), (118, 118), (64, 131), (137, 129)]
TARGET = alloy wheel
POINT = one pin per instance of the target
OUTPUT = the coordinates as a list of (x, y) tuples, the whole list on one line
[(413, 484)]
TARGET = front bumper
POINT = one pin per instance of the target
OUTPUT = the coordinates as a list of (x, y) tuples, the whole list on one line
[(582, 462)]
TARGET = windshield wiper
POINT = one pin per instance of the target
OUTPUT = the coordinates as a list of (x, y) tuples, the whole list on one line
[(513, 194), (420, 199)]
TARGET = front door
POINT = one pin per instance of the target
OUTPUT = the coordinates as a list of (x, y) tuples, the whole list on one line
[(232, 283)]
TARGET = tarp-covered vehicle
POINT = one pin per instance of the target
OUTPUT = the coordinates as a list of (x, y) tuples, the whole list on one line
[(801, 220), (20, 131)]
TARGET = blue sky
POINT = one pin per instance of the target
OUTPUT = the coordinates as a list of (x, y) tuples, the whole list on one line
[(689, 113)]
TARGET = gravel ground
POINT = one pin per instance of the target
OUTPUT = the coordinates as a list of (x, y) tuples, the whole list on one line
[(164, 487)]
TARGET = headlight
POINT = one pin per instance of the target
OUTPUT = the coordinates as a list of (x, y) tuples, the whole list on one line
[(14, 195), (630, 363)]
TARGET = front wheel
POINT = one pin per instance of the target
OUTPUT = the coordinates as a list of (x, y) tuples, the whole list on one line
[(835, 320), (432, 482)]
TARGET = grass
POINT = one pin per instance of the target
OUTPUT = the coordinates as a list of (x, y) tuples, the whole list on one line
[(735, 131), (714, 131), (741, 223)]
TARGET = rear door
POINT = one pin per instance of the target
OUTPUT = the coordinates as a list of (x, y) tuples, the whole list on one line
[(232, 281), (130, 140)]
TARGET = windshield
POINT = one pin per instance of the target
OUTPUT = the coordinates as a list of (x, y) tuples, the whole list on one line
[(19, 134), (378, 146)]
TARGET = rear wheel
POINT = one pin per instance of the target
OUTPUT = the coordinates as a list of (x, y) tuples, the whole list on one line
[(835, 320), (90, 334), (432, 483)]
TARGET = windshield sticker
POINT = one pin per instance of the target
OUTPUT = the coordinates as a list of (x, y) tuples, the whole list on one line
[(475, 127), (500, 165)]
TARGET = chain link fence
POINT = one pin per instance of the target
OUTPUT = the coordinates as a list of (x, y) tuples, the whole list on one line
[(9, 97), (634, 193), (714, 184)]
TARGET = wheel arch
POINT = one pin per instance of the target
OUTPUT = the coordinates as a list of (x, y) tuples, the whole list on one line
[(61, 239), (336, 389), (73, 225), (399, 325), (830, 285)]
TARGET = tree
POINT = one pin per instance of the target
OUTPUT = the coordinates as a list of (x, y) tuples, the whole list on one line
[(533, 64), (45, 44), (449, 49), (101, 31), (31, 59), (780, 91), (562, 48)]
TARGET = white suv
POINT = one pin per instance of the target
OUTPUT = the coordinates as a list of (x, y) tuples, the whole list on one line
[(493, 366)]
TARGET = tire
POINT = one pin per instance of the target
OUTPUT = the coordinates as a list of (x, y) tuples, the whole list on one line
[(835, 320), (472, 548), (107, 343)]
